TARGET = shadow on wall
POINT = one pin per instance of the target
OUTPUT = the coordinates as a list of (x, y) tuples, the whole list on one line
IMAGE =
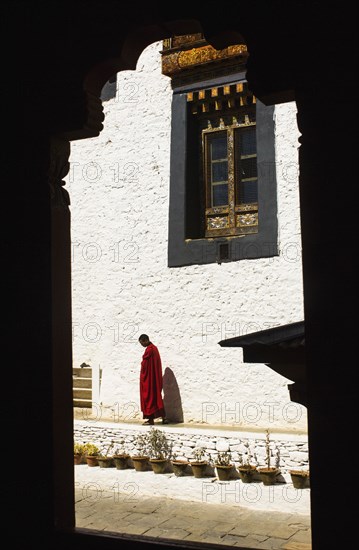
[(172, 397), (109, 89)]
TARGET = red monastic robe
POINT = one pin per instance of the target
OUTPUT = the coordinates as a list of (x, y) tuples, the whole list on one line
[(151, 383)]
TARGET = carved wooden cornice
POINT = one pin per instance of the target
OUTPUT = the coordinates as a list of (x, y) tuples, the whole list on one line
[(185, 53), (180, 42)]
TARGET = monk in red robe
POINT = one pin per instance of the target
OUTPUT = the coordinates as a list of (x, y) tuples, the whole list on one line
[(151, 383)]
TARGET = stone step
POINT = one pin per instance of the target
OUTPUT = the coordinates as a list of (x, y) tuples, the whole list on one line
[(82, 393), (78, 382), (84, 372), (82, 387), (82, 403)]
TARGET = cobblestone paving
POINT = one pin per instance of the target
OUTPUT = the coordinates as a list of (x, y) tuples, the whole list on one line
[(164, 506)]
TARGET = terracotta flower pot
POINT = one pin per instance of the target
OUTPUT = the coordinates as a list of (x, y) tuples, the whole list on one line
[(300, 478), (141, 463), (91, 461), (105, 461), (158, 465), (121, 461), (77, 459), (199, 469), (224, 472), (268, 475), (180, 467), (247, 473)]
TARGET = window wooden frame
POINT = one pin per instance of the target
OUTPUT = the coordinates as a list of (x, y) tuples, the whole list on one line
[(236, 218)]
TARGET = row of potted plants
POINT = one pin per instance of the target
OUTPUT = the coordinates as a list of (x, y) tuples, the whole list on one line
[(154, 452), (249, 469)]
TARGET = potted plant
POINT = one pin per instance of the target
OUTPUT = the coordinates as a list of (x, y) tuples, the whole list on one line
[(79, 452), (300, 478), (104, 457), (268, 473), (200, 462), (91, 454), (179, 466), (141, 457), (247, 469), (120, 456), (224, 465), (160, 450)]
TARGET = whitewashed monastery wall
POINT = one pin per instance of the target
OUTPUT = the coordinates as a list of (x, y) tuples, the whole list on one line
[(122, 287)]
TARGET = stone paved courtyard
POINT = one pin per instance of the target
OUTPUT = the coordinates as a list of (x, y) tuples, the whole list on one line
[(164, 506)]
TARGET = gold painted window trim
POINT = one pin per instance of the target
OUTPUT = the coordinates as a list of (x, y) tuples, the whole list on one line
[(235, 218)]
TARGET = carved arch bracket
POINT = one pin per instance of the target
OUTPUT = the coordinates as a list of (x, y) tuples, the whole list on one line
[(58, 169)]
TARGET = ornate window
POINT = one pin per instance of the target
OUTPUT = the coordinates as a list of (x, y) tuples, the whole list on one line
[(227, 127), (223, 190)]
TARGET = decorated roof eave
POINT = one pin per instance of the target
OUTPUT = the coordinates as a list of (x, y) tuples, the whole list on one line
[(192, 53)]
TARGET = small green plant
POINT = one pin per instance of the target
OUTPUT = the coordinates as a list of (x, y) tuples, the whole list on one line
[(79, 448), (277, 458), (268, 473), (174, 457), (224, 458), (247, 463), (120, 448), (158, 445), (250, 460), (105, 451), (199, 454), (141, 445), (91, 449), (269, 455)]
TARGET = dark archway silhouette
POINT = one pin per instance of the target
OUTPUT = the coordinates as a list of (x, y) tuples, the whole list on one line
[(172, 397), (299, 51)]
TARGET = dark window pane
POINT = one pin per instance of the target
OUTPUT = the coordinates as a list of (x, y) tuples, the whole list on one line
[(220, 195), (220, 171), (247, 192), (248, 142), (219, 148), (248, 168)]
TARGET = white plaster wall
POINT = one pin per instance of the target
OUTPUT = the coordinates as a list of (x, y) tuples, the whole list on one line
[(122, 287)]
